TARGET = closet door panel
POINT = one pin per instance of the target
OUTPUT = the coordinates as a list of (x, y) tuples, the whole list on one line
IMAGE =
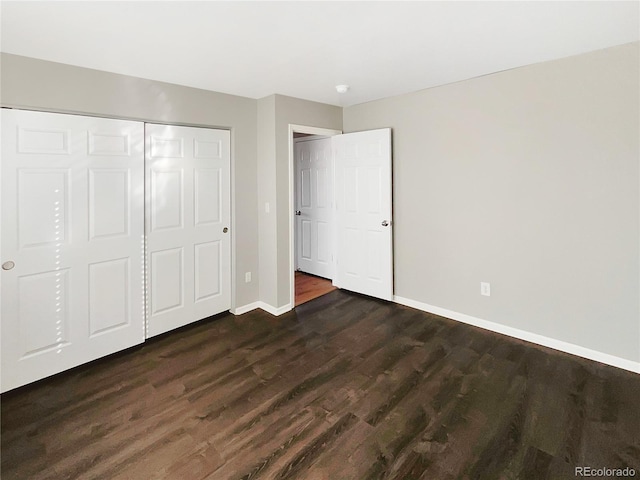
[(188, 237), (72, 242)]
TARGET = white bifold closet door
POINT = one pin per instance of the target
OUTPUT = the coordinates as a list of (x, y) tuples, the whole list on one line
[(187, 225), (72, 241)]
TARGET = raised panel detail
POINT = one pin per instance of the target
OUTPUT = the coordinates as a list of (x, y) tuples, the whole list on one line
[(374, 189), (323, 242), (109, 301), (321, 188), (109, 144), (55, 142), (305, 188), (352, 248), (351, 150), (208, 264), (306, 239), (167, 147), (42, 207), (208, 192), (375, 149), (203, 149), (351, 193), (374, 251), (108, 203), (166, 199), (167, 280), (43, 311)]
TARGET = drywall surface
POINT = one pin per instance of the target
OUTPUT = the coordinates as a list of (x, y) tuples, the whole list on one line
[(527, 179), (41, 85), (289, 110), (267, 211)]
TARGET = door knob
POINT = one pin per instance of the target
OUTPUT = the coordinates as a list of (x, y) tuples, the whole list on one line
[(385, 223), (298, 212), (225, 230), (8, 265)]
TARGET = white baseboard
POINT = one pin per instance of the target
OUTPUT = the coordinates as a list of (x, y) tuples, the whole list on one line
[(276, 311), (524, 335), (245, 308)]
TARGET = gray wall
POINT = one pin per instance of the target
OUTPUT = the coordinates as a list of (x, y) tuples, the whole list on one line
[(527, 179), (275, 113), (36, 84), (267, 225), (298, 112)]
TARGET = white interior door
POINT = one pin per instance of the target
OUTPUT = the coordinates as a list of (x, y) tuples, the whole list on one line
[(71, 241), (364, 250), (314, 207), (187, 225)]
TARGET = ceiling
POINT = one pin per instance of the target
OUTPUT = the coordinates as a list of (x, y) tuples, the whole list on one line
[(303, 49)]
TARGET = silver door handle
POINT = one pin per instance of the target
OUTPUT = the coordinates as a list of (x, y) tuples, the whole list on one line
[(225, 230), (298, 212), (385, 223), (8, 265)]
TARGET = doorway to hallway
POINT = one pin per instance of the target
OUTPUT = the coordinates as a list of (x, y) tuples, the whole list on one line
[(309, 287)]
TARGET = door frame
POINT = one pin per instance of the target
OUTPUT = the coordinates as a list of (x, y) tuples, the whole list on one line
[(293, 128)]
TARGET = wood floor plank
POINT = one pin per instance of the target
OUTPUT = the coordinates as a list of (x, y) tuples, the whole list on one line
[(343, 387), (308, 287)]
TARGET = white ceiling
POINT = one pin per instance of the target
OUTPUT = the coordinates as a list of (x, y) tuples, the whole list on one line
[(304, 49)]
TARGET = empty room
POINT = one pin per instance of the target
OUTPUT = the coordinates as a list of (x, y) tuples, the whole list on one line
[(334, 240)]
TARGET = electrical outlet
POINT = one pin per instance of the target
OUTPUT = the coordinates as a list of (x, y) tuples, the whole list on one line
[(247, 277), (485, 289)]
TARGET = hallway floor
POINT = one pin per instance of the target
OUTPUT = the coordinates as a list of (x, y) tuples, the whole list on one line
[(309, 287)]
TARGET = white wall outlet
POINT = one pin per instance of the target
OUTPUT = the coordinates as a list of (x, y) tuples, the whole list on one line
[(267, 207), (247, 277), (485, 289)]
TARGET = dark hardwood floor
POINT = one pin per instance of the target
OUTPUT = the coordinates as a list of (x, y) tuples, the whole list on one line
[(344, 387), (308, 287)]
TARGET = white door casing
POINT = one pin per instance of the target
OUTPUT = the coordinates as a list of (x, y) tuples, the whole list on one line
[(187, 173), (364, 226), (72, 228), (314, 206)]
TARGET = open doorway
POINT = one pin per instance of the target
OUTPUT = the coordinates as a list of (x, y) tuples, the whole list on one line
[(311, 212), (308, 287)]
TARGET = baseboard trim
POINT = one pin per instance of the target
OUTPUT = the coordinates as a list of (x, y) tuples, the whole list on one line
[(245, 308), (524, 335), (276, 311)]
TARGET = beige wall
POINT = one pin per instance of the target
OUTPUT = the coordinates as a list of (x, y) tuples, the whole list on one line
[(36, 84), (527, 179)]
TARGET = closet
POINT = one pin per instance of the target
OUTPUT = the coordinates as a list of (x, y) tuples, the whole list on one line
[(112, 231)]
